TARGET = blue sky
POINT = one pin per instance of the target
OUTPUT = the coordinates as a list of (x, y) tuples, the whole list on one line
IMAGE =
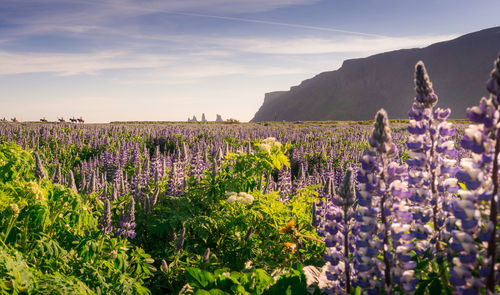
[(111, 60)]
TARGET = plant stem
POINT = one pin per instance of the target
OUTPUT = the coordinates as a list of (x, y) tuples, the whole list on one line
[(310, 238), (387, 271), (491, 252), (9, 228), (443, 274), (346, 251), (434, 192)]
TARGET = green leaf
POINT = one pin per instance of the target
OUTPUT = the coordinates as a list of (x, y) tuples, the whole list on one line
[(239, 289), (435, 287), (217, 292), (422, 286), (294, 283), (225, 282), (199, 278)]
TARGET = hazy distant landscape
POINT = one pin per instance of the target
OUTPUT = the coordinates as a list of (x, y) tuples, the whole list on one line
[(137, 156)]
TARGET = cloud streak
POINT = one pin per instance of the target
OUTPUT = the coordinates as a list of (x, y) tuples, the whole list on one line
[(210, 57), (67, 64), (102, 11), (312, 46), (274, 23)]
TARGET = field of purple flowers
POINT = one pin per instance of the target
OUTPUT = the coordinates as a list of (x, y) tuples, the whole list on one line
[(271, 208)]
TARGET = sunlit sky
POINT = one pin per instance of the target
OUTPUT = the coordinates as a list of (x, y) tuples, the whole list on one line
[(109, 60)]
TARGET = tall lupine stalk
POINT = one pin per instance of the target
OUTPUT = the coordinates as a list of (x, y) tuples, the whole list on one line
[(105, 220), (379, 192), (480, 176), (432, 167), (320, 208), (493, 87), (126, 224), (284, 183), (339, 240), (39, 170)]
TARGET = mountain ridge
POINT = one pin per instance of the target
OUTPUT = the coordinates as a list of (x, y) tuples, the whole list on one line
[(355, 91)]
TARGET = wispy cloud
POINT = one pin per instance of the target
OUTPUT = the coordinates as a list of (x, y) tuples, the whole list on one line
[(66, 64), (59, 12), (209, 58), (83, 12), (307, 46), (274, 23), (183, 68)]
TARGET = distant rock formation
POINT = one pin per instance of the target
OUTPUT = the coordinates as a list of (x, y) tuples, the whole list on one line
[(203, 119), (219, 118), (458, 69), (194, 119)]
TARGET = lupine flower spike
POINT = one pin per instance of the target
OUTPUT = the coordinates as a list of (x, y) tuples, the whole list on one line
[(381, 191), (474, 266), (105, 222), (431, 168), (339, 239)]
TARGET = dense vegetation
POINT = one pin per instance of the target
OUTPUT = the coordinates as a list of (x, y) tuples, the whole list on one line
[(271, 208)]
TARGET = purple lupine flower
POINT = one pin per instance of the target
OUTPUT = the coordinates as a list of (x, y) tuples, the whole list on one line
[(164, 266), (93, 183), (206, 255), (57, 174), (197, 166), (284, 183), (476, 212), (339, 240), (126, 224), (72, 184), (180, 240), (147, 204), (432, 167), (381, 193), (320, 208), (300, 180), (176, 180), (105, 222), (39, 170)]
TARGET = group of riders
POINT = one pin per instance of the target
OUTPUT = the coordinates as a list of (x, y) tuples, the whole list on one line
[(61, 120)]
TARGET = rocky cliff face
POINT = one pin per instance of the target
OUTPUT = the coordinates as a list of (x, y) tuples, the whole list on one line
[(458, 69)]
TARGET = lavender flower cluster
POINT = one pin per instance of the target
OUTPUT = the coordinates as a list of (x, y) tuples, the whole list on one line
[(425, 208)]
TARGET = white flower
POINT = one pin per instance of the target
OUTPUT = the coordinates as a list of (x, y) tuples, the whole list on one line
[(242, 198), (265, 147), (268, 143), (232, 199), (246, 198)]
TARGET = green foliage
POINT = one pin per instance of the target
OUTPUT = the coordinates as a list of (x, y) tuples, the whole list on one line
[(238, 234), (15, 275), (245, 171), (254, 282), (293, 283), (49, 234), (49, 241), (15, 163)]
